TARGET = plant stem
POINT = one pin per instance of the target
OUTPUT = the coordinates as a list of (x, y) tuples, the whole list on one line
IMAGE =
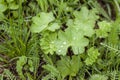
[(117, 5), (70, 78)]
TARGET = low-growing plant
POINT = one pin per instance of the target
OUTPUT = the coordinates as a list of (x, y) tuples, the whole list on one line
[(59, 40)]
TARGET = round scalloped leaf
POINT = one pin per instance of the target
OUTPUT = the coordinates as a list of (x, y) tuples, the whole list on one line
[(85, 21), (76, 40), (74, 36), (47, 42), (41, 21), (104, 28), (3, 7), (92, 56), (13, 6)]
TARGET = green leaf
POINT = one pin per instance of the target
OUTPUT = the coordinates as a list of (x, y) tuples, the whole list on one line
[(47, 42), (60, 42), (73, 36), (92, 56), (29, 76), (48, 77), (47, 59), (98, 77), (53, 27), (52, 69), (13, 6), (15, 14), (9, 1), (77, 41), (2, 16), (1, 1), (9, 75), (113, 37), (104, 28), (1, 59), (20, 63), (31, 66), (41, 21), (51, 44), (3, 7), (75, 65), (63, 66), (85, 21), (66, 66)]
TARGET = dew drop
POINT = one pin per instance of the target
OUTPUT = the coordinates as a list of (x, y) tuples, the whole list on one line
[(59, 50), (52, 42), (64, 42), (74, 38), (61, 46)]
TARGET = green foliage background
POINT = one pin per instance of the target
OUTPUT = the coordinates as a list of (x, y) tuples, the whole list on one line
[(59, 39)]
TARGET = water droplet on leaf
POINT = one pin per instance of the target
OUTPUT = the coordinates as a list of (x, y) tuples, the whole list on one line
[(59, 50), (64, 42), (52, 42), (61, 46)]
